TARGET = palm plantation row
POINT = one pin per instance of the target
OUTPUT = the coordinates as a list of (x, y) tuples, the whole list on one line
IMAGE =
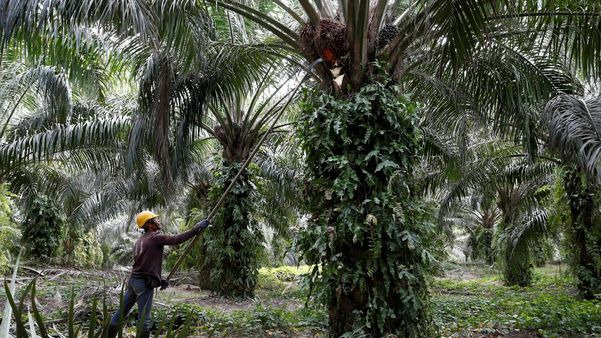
[(416, 116)]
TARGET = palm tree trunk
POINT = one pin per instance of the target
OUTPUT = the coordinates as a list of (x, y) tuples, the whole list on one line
[(515, 258), (161, 114), (583, 199), (517, 265), (233, 248), (367, 234)]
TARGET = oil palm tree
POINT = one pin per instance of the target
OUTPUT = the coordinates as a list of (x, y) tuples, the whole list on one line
[(516, 192), (107, 134), (573, 124), (523, 223), (485, 220), (235, 129), (231, 253), (479, 216), (208, 102), (57, 134), (496, 49)]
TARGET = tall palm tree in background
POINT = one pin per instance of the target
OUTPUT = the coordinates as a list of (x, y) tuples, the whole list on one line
[(493, 61), (480, 217), (481, 236), (513, 191), (46, 119), (522, 197), (232, 252)]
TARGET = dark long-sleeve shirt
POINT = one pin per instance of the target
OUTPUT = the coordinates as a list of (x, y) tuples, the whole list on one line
[(148, 252)]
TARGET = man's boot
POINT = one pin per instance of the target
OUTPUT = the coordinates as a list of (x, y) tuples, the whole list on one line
[(113, 330), (144, 334)]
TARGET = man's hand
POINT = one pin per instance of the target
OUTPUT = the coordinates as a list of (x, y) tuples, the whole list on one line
[(164, 284), (201, 225)]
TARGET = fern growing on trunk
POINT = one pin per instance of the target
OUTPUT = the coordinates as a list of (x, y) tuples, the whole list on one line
[(584, 232), (367, 234), (232, 251)]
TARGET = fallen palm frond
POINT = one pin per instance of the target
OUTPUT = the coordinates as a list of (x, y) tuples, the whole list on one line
[(5, 326)]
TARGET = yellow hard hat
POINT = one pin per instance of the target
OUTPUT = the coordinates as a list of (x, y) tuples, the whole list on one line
[(144, 216)]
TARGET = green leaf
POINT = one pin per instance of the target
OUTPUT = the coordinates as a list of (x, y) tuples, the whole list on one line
[(386, 164)]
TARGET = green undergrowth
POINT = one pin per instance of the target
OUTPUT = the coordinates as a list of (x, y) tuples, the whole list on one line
[(466, 270), (550, 307), (475, 307), (260, 319), (283, 281), (256, 321)]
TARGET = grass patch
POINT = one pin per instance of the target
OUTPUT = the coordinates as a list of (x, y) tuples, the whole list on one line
[(258, 321), (275, 285), (282, 282), (550, 306)]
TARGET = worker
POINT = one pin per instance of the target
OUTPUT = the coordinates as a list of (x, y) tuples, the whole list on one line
[(146, 271)]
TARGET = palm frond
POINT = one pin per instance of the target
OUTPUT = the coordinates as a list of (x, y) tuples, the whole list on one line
[(286, 34), (530, 229), (502, 86), (90, 58), (39, 88), (575, 130), (41, 145), (25, 17), (567, 30)]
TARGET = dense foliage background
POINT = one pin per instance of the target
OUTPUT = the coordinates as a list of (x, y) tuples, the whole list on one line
[(422, 159)]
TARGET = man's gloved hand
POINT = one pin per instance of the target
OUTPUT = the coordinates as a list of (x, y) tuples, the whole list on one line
[(201, 225), (164, 284)]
